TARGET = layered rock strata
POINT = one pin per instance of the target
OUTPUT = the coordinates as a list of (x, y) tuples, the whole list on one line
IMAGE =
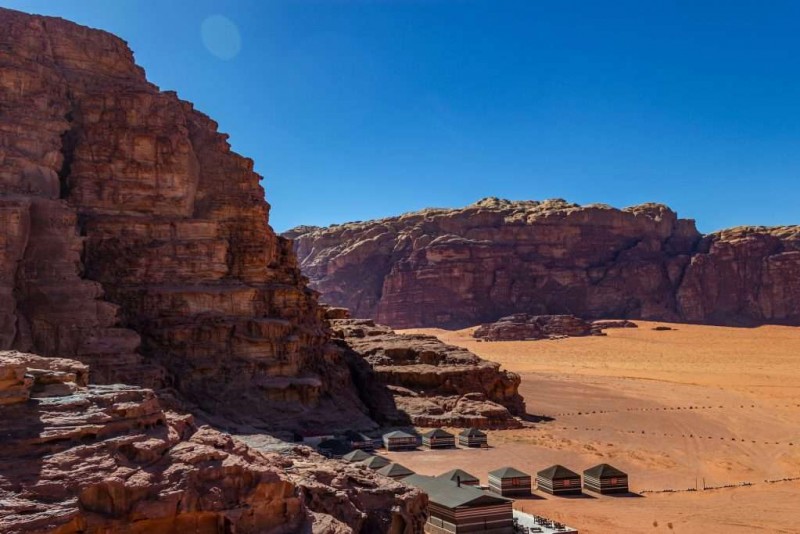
[(131, 229), (460, 267), (417, 379), (78, 458)]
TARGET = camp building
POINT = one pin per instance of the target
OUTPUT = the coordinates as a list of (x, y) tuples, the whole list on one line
[(558, 480), (605, 478), (358, 440), (396, 471), (472, 437), (459, 475), (400, 441), (438, 439), (454, 509), (510, 481)]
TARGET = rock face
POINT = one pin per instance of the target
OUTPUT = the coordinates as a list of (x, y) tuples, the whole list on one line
[(136, 241), (460, 267), (522, 326), (745, 275), (417, 379), (78, 458)]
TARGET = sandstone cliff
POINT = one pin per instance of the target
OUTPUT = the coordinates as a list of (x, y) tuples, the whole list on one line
[(78, 458), (136, 241), (460, 267), (417, 379)]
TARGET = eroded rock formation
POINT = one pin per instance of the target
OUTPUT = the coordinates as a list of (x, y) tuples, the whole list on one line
[(417, 379), (136, 241), (94, 458), (522, 326), (744, 275), (460, 267)]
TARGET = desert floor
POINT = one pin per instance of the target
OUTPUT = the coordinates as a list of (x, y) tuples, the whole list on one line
[(671, 408)]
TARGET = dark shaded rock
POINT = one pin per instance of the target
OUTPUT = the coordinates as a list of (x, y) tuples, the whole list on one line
[(610, 323)]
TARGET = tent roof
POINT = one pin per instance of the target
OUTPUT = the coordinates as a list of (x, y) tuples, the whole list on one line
[(453, 473), (472, 433), (604, 470), (357, 456), (508, 472), (437, 433), (375, 462), (399, 434), (395, 470), (448, 494), (558, 471), (352, 435)]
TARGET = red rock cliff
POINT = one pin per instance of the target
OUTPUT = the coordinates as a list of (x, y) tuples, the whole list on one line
[(136, 241), (461, 267)]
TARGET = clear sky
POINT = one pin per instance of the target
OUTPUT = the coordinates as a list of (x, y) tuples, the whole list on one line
[(360, 109)]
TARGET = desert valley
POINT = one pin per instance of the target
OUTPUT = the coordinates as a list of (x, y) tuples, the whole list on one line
[(675, 409), (170, 363)]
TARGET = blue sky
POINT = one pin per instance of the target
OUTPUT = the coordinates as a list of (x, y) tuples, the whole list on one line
[(361, 109)]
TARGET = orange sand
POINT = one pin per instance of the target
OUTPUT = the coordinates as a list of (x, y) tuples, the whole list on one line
[(671, 408)]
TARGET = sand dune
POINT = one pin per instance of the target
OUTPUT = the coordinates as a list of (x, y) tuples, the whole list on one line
[(673, 408)]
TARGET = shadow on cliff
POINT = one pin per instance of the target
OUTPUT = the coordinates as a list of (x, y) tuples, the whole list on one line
[(21, 453), (372, 391)]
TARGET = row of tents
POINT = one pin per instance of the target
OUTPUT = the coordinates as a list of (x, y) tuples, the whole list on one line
[(509, 481), (556, 480), (559, 480), (434, 439), (399, 440)]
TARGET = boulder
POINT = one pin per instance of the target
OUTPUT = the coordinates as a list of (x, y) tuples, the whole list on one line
[(522, 326)]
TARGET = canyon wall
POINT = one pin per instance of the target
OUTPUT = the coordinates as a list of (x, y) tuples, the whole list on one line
[(136, 241), (459, 267)]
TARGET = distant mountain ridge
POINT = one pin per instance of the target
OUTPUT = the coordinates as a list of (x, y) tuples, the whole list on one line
[(459, 267)]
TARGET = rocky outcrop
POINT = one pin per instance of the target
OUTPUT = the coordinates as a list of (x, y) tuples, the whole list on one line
[(744, 276), (417, 379), (78, 458), (601, 325), (137, 242), (460, 267), (522, 326)]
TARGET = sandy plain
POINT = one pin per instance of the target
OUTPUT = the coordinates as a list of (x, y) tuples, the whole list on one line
[(695, 406)]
